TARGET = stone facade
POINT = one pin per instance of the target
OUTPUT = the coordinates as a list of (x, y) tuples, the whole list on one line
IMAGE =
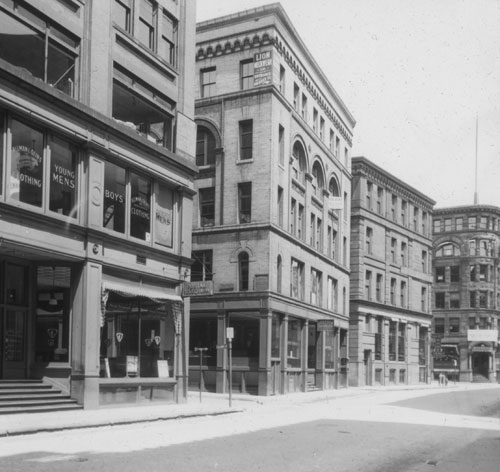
[(270, 223), (391, 249)]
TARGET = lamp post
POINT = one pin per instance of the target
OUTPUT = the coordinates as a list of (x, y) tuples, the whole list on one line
[(230, 336)]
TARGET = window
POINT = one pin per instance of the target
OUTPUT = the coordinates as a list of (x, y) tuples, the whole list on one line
[(394, 244), (319, 234), (424, 223), (447, 224), (369, 240), (392, 340), (245, 202), (296, 97), (145, 28), (316, 287), (246, 139), (282, 79), (297, 280), (380, 199), (454, 325), (454, 299), (472, 220), (401, 348), (168, 46), (321, 128), (403, 254), (207, 206), (207, 85), (472, 323), (315, 120), (140, 207), (415, 218), (276, 336), (115, 183), (483, 299), (483, 273), (39, 47), (459, 224), (472, 299), (246, 74), (439, 325), (137, 105), (280, 207), (368, 284), (243, 271), (318, 182), (304, 107), (293, 216), (455, 274), (121, 14), (473, 273), (334, 252), (202, 267), (369, 190), (447, 250), (440, 300), (281, 143), (300, 223), (205, 147), (393, 291), (394, 204), (484, 248), (299, 163), (437, 226), (294, 346), (483, 222), (424, 262), (440, 274), (312, 233), (423, 299), (332, 141), (332, 294), (403, 294), (279, 273), (379, 326), (379, 288), (472, 247), (337, 146), (404, 215)]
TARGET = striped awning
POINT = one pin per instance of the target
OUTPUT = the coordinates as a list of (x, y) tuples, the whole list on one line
[(128, 288)]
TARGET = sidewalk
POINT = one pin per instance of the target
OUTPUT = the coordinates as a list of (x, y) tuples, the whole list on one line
[(210, 405)]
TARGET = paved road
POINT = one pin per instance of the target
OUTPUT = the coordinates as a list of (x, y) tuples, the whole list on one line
[(371, 432)]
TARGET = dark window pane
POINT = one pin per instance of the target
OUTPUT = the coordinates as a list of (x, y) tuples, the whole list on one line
[(114, 198), (121, 15), (63, 175), (140, 207), (26, 182), (60, 69)]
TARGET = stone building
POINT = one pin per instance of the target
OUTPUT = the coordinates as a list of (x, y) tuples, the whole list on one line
[(391, 249), (271, 218), (97, 163), (466, 292)]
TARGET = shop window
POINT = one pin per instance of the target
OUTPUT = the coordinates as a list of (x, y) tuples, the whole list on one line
[(137, 332), (246, 339), (439, 325), (202, 267), (422, 345), (330, 349), (393, 339), (40, 47), (207, 206), (378, 338), (243, 271), (245, 202), (207, 78), (440, 274), (246, 140), (128, 208), (297, 280), (203, 333), (276, 336), (294, 346), (138, 106), (454, 325), (205, 147), (402, 376), (121, 14), (52, 322), (440, 300), (246, 74)]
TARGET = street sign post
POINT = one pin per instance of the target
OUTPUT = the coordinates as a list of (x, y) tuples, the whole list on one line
[(230, 336), (200, 350)]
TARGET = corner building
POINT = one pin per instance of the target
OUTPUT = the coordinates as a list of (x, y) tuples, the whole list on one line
[(271, 217), (97, 163), (391, 279), (466, 292)]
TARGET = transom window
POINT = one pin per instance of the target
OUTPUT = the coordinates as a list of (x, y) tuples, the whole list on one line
[(447, 250)]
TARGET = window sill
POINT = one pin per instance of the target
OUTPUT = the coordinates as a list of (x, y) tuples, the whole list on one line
[(244, 161)]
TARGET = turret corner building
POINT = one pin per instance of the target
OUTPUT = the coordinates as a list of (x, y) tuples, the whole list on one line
[(391, 281), (97, 142), (271, 217), (466, 294)]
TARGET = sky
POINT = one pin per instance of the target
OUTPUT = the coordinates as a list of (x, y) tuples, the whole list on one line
[(417, 77)]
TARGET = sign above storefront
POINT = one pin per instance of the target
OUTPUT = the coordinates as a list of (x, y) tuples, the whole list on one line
[(488, 335), (197, 289), (325, 325)]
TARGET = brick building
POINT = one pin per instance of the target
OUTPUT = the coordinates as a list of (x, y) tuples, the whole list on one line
[(391, 248), (466, 292), (97, 163), (271, 219)]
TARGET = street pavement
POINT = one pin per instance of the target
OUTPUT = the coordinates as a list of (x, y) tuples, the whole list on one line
[(363, 404)]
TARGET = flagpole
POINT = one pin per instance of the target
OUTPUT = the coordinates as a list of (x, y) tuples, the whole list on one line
[(476, 198)]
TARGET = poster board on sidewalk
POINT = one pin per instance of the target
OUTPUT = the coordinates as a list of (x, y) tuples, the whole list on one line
[(163, 369)]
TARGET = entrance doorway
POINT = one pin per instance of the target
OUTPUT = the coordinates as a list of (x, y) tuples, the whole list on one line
[(368, 366), (14, 305), (480, 364)]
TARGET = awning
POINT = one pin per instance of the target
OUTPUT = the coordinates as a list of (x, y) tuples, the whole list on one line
[(136, 289)]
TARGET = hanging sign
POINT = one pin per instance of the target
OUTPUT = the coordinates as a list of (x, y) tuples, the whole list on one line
[(157, 340), (262, 68), (119, 337)]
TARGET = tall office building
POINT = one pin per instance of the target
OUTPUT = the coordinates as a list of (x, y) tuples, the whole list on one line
[(97, 163), (391, 281), (271, 217)]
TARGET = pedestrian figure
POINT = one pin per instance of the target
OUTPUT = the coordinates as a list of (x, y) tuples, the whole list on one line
[(445, 378), (441, 381)]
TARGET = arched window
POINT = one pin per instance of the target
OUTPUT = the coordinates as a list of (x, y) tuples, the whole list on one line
[(205, 147), (318, 182), (447, 250), (299, 162), (243, 271), (279, 269), (333, 188)]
